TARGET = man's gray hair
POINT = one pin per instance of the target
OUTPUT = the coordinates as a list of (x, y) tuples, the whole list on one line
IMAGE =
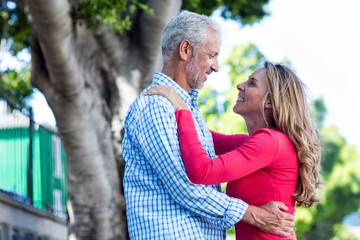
[(187, 25)]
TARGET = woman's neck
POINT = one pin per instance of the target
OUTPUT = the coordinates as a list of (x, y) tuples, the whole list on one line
[(252, 126)]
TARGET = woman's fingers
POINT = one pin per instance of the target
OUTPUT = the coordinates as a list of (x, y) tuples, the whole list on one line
[(160, 89)]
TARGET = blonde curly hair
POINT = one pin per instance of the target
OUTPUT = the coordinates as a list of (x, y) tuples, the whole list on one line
[(291, 114)]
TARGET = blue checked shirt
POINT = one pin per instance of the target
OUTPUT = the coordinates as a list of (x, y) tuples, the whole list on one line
[(161, 202)]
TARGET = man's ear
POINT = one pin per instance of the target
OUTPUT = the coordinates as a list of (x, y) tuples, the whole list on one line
[(185, 50)]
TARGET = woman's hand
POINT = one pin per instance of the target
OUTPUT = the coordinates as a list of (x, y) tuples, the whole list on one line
[(170, 93)]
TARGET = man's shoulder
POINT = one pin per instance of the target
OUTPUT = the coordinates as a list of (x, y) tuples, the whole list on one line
[(145, 105)]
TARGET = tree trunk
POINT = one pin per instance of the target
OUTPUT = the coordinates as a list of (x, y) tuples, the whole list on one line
[(89, 80)]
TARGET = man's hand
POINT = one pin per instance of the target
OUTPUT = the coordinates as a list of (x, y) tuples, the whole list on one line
[(270, 218)]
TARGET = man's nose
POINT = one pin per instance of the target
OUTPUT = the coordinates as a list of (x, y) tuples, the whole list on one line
[(215, 66)]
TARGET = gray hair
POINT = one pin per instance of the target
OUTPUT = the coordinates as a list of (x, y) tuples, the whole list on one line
[(187, 25)]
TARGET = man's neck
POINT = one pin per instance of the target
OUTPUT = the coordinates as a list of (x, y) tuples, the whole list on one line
[(176, 75)]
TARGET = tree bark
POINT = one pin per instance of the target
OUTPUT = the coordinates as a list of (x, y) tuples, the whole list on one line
[(89, 80)]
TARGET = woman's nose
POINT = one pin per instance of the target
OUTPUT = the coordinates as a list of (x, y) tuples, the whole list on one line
[(240, 87)]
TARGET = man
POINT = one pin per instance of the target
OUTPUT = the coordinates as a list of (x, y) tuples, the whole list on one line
[(161, 201)]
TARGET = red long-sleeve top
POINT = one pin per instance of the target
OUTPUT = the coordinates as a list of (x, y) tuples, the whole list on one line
[(259, 168)]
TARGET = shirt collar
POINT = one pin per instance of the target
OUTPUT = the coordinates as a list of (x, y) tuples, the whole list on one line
[(188, 97)]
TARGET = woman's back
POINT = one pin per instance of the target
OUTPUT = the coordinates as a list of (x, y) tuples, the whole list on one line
[(276, 181)]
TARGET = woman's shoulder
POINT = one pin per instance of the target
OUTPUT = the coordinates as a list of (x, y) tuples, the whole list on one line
[(277, 142), (268, 131), (274, 135)]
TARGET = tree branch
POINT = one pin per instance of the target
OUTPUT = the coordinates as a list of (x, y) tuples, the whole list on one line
[(52, 24), (151, 28)]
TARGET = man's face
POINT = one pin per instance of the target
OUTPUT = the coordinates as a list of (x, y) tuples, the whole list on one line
[(204, 62)]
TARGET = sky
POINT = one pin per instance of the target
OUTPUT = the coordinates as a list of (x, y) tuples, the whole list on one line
[(321, 38)]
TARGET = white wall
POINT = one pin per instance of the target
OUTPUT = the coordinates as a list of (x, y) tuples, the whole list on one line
[(24, 221)]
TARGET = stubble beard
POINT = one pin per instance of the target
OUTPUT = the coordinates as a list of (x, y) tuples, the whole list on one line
[(194, 77)]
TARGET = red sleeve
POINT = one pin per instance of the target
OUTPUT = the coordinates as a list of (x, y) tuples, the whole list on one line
[(224, 143), (255, 153)]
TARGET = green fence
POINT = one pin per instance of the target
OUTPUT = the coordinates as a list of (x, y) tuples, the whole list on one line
[(32, 163)]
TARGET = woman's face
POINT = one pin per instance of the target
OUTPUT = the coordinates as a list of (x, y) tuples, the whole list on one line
[(250, 101)]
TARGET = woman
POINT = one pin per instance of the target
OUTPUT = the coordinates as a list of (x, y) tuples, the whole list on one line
[(279, 159)]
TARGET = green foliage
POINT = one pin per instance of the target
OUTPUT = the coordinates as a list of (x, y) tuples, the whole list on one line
[(332, 144), (208, 106), (15, 88), (304, 219), (113, 14), (14, 27), (321, 111), (243, 61), (341, 232), (243, 11)]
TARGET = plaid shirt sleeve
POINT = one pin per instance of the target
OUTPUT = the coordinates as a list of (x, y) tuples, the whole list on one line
[(158, 139)]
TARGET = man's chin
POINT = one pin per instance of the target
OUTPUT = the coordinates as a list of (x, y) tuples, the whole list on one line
[(198, 87)]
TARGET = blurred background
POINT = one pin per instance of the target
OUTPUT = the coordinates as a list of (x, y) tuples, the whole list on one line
[(318, 39)]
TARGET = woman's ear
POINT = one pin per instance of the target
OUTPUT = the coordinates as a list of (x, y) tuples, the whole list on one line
[(185, 50), (268, 103)]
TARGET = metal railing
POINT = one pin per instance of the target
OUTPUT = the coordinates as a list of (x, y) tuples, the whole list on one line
[(32, 162)]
